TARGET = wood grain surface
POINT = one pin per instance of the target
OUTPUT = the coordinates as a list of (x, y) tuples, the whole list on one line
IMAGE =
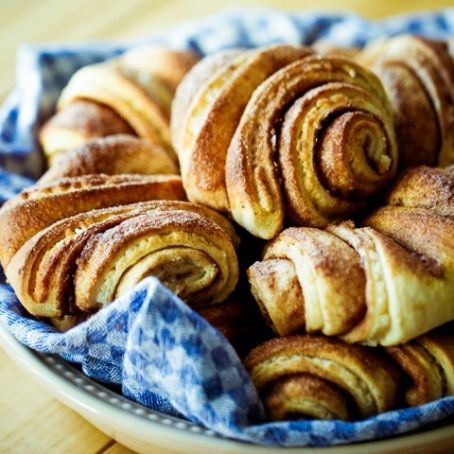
[(31, 421)]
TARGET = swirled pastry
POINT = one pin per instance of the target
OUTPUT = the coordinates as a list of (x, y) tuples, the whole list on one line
[(321, 124), (385, 283), (137, 88), (78, 123), (310, 376), (39, 207), (428, 363), (84, 261), (418, 75), (116, 154)]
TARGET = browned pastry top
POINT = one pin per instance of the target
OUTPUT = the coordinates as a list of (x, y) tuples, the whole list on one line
[(90, 118), (361, 372), (38, 207), (116, 154), (418, 75), (168, 65)]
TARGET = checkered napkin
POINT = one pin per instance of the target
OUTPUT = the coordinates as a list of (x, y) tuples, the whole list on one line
[(149, 342)]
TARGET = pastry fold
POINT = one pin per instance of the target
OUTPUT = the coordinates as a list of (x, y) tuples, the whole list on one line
[(428, 363), (133, 92), (83, 262), (309, 376), (116, 154), (385, 283), (215, 94), (278, 130), (418, 75), (78, 123), (39, 207)]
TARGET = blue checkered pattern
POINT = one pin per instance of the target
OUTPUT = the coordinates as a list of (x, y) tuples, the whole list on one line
[(149, 342)]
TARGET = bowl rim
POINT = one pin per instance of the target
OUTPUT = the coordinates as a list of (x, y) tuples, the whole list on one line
[(93, 401)]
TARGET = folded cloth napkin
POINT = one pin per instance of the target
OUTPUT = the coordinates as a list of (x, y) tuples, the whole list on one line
[(161, 353)]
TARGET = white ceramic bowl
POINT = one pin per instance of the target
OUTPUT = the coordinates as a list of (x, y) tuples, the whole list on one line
[(142, 429)]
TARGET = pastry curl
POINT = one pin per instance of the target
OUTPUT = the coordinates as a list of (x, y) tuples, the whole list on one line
[(321, 124), (83, 262), (418, 75), (113, 155), (78, 123), (137, 88), (39, 207), (310, 376), (384, 283), (309, 280), (428, 363), (213, 98)]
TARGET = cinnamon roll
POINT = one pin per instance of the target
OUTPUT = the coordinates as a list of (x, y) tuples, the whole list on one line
[(84, 261), (113, 155), (322, 125), (418, 75), (384, 283), (428, 363), (39, 207), (133, 92), (78, 123), (310, 376)]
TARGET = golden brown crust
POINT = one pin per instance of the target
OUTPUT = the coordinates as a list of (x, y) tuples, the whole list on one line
[(53, 269), (138, 86), (78, 123), (385, 283), (104, 83), (440, 345), (324, 86), (425, 187), (418, 75), (116, 154), (426, 382), (318, 377), (428, 363), (36, 208), (189, 253), (169, 66), (309, 289), (278, 124), (191, 84), (362, 373), (305, 396), (211, 118)]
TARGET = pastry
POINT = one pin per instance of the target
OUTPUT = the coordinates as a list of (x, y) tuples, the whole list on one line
[(39, 207), (321, 124), (116, 154), (84, 261), (418, 75), (384, 283), (309, 376), (428, 362), (216, 92), (80, 122), (133, 92)]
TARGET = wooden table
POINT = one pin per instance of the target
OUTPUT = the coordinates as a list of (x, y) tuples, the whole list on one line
[(30, 419)]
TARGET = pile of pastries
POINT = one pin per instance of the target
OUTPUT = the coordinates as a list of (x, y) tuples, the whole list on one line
[(301, 199)]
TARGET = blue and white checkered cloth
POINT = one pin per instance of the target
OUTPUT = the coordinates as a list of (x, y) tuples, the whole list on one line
[(149, 342)]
